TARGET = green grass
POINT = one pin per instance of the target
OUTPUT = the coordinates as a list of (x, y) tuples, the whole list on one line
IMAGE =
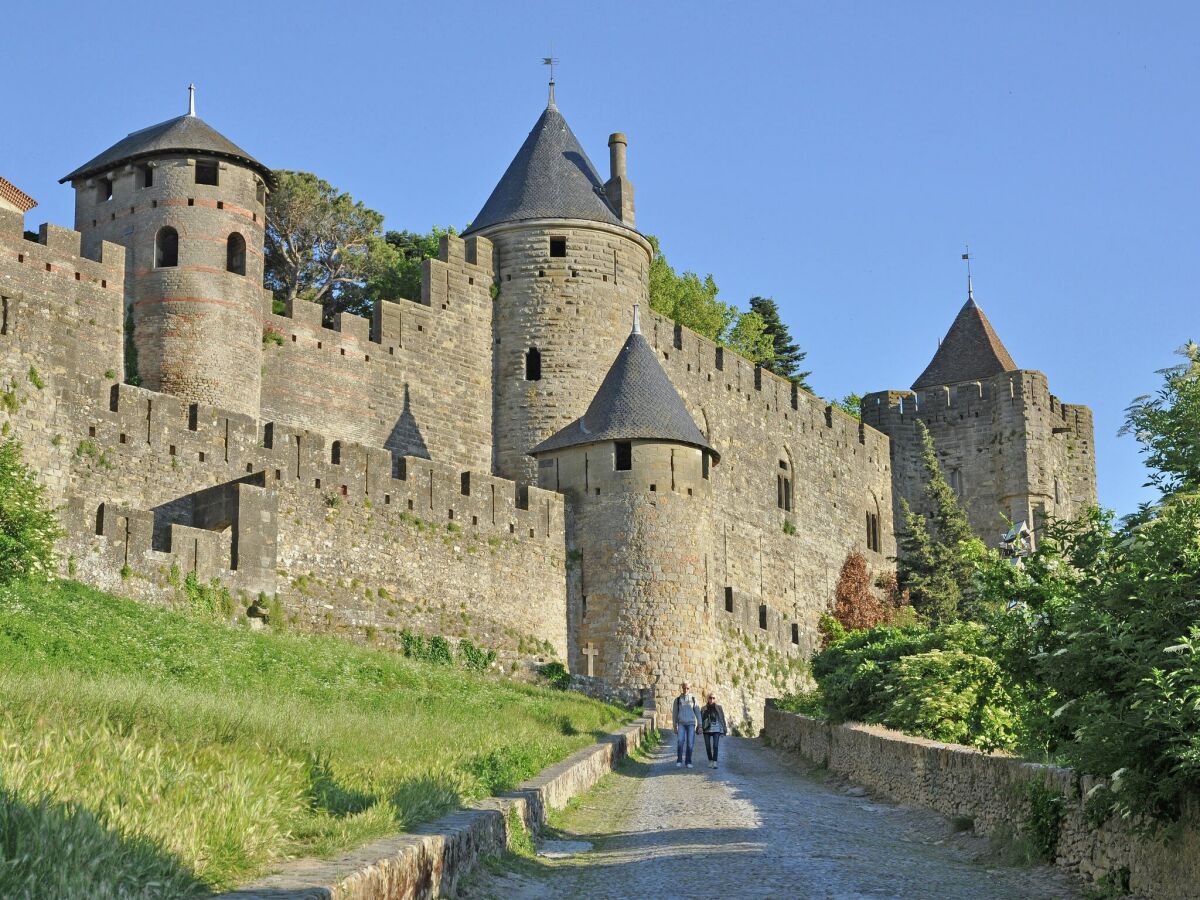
[(144, 746)]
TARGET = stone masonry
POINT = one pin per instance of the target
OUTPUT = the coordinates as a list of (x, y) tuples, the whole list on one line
[(377, 475)]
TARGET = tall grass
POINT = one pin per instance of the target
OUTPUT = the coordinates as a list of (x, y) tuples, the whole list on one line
[(166, 751)]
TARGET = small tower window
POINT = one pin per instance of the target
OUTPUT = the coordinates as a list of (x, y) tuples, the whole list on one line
[(623, 456), (166, 248), (873, 532), (335, 453), (146, 176), (795, 633), (558, 246), (728, 599), (104, 190), (260, 194), (235, 254), (206, 172), (533, 364), (762, 616)]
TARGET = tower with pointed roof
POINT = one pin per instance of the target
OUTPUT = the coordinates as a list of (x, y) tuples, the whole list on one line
[(1012, 451), (189, 207), (569, 264), (635, 472)]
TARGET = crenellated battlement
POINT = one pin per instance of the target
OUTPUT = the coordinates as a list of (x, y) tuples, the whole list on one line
[(57, 252)]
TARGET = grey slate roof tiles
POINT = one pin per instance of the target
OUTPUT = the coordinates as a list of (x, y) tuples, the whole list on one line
[(970, 351), (549, 178), (183, 134), (635, 401)]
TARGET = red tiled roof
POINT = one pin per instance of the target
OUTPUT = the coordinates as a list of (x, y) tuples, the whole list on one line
[(16, 196)]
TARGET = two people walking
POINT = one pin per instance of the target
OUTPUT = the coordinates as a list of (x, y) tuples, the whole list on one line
[(689, 717)]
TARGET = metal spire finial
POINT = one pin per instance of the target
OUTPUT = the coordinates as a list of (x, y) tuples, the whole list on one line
[(637, 319), (191, 99), (967, 256), (550, 61)]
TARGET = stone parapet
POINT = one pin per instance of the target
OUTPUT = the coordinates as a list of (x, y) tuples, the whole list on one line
[(990, 789), (430, 862)]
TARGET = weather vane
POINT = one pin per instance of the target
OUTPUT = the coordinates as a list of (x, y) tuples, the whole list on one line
[(967, 257), (551, 61)]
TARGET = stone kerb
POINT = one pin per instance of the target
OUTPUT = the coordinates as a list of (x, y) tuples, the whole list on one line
[(430, 861), (991, 789)]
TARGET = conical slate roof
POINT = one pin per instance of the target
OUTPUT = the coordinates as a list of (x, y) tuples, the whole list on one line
[(549, 178), (635, 401), (183, 134), (970, 351)]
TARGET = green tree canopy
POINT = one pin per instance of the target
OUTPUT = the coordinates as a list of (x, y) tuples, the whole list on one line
[(28, 527), (1167, 425), (788, 355), (321, 244), (938, 552), (693, 302), (851, 404)]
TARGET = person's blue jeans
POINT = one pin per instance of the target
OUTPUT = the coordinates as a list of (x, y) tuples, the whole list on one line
[(712, 741), (685, 742)]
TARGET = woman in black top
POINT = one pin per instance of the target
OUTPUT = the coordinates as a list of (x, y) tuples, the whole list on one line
[(712, 722)]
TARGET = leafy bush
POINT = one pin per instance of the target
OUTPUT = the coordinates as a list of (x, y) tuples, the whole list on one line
[(556, 675), (475, 658), (28, 529)]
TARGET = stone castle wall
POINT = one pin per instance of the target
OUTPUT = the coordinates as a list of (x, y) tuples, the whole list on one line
[(991, 790), (415, 378), (151, 487), (1006, 444)]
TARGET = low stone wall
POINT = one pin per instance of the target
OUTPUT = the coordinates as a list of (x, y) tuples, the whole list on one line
[(430, 861), (991, 789)]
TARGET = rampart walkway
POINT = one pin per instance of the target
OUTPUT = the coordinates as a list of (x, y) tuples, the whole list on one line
[(759, 827)]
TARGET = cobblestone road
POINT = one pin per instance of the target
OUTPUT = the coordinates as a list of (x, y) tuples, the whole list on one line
[(760, 826)]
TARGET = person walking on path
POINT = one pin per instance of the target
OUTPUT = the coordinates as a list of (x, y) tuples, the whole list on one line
[(712, 723), (686, 716)]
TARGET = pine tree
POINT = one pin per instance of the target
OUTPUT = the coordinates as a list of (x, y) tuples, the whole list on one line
[(788, 355), (936, 561)]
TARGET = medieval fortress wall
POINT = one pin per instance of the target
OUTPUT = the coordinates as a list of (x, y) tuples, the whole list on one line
[(377, 475), (152, 487)]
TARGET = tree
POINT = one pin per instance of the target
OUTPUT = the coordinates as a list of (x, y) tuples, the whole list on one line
[(855, 605), (851, 404), (788, 357), (938, 552), (1167, 426), (692, 302), (321, 244), (28, 529)]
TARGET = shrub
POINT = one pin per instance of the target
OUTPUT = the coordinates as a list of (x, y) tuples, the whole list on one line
[(556, 675), (475, 658), (28, 529), (856, 605)]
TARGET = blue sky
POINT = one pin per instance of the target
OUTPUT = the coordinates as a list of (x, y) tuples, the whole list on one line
[(834, 156)]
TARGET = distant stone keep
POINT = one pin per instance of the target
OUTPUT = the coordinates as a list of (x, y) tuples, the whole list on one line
[(1012, 451), (525, 455)]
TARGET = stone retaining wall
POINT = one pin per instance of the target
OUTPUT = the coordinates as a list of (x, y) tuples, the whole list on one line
[(991, 789), (429, 862)]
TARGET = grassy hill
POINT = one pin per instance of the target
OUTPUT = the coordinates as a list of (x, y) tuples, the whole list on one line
[(142, 747)]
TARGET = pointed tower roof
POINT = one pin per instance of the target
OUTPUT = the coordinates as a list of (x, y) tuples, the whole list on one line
[(970, 351), (183, 134), (549, 178), (636, 401)]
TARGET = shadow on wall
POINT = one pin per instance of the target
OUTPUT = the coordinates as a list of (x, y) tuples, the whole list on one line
[(406, 438), (64, 850)]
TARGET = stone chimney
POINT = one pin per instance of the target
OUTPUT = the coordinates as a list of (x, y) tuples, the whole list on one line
[(619, 188)]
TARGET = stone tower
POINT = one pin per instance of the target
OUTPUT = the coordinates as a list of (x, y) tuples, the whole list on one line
[(1012, 451), (188, 205), (634, 469), (569, 265)]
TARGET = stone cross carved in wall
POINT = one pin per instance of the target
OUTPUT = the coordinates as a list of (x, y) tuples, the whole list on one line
[(591, 653)]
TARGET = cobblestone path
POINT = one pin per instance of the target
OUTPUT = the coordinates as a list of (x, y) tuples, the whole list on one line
[(760, 826)]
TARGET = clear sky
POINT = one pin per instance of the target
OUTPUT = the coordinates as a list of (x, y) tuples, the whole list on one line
[(834, 156)]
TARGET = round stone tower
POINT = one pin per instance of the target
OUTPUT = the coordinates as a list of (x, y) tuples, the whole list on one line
[(634, 469), (569, 265), (189, 207)]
